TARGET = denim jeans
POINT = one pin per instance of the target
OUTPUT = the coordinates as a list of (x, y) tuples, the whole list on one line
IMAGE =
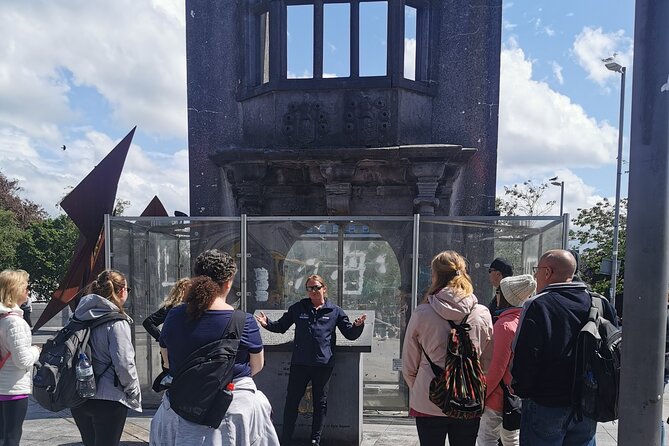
[(547, 426)]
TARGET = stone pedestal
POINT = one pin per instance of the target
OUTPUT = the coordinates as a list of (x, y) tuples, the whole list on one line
[(343, 424)]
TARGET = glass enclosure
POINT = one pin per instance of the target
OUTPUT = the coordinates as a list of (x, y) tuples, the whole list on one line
[(367, 263)]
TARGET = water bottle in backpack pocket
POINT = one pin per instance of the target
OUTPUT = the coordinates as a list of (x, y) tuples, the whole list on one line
[(86, 387)]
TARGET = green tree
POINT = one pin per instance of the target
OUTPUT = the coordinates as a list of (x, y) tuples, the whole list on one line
[(10, 233), (25, 211), (593, 235), (524, 199), (45, 250)]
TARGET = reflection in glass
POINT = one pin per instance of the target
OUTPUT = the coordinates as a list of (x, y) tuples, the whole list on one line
[(264, 46), (336, 39), (373, 38), (410, 20), (300, 41)]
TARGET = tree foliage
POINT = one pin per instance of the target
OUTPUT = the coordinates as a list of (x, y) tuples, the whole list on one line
[(31, 240), (45, 250), (524, 199), (593, 235), (25, 211), (10, 233)]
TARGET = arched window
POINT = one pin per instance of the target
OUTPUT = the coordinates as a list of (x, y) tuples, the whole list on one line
[(323, 44)]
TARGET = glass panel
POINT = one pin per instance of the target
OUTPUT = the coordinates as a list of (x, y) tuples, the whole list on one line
[(376, 270), (410, 20), (300, 41), (264, 46), (521, 241), (154, 254), (373, 257), (373, 38), (336, 40)]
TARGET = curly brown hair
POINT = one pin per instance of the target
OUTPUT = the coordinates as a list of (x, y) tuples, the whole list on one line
[(213, 269), (202, 293), (216, 264)]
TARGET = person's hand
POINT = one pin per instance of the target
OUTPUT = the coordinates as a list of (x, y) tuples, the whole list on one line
[(359, 321), (262, 319)]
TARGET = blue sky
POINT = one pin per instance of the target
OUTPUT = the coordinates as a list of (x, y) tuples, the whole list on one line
[(82, 73)]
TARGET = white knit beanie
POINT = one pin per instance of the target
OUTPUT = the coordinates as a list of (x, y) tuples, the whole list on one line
[(517, 289)]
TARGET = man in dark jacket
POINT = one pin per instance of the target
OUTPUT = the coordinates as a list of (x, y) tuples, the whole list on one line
[(543, 362)]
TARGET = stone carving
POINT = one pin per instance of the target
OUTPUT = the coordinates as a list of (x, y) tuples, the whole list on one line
[(367, 120), (305, 122)]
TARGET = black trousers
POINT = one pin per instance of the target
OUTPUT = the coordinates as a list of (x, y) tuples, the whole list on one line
[(100, 422), (300, 375), (432, 431), (12, 414)]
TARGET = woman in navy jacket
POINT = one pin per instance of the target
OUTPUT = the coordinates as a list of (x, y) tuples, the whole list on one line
[(315, 320)]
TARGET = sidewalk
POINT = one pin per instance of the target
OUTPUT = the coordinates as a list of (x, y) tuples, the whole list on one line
[(46, 428)]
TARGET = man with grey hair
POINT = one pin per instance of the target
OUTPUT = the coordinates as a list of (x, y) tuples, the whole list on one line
[(544, 358)]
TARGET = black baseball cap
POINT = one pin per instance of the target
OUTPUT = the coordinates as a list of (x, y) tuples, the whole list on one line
[(503, 266)]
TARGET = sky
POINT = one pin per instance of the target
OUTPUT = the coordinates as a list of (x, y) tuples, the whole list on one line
[(83, 73)]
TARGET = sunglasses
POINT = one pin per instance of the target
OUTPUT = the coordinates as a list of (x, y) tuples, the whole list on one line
[(315, 288), (128, 289), (491, 270)]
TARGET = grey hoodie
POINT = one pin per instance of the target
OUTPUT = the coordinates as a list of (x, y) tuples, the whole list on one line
[(111, 343)]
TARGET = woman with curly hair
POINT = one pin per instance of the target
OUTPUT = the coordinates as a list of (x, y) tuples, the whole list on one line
[(101, 419), (17, 356), (449, 298), (202, 320)]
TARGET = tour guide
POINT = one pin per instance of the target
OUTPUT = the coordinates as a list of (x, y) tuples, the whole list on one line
[(315, 319)]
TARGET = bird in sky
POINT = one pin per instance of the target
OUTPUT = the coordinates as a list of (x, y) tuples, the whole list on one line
[(63, 147)]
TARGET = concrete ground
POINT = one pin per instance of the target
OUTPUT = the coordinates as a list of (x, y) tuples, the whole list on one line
[(45, 428)]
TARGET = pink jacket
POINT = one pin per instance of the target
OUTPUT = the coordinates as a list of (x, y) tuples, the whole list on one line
[(429, 327), (505, 331)]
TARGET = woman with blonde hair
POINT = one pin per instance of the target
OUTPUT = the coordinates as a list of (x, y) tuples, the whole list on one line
[(17, 356), (174, 298), (316, 319), (101, 419), (450, 297)]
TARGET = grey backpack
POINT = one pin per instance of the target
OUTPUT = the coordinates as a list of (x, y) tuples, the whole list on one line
[(55, 380)]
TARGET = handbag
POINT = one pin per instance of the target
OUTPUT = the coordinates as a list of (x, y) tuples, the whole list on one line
[(511, 409)]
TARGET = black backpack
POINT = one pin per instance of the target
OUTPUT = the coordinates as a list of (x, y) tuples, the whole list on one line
[(459, 388), (55, 380), (597, 373), (199, 391)]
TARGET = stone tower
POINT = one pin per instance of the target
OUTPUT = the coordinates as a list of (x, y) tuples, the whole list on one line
[(417, 133)]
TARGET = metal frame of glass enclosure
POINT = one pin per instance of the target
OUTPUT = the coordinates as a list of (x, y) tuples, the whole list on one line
[(370, 263)]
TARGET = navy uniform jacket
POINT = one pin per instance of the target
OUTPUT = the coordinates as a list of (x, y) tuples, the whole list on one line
[(315, 336), (543, 353)]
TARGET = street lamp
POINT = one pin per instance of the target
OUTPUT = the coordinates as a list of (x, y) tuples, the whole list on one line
[(556, 182), (612, 65)]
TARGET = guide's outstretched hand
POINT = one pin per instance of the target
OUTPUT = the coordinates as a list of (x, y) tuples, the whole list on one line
[(359, 321), (262, 319)]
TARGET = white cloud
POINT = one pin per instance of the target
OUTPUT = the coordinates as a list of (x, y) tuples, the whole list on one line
[(541, 130), (550, 32), (410, 58), (557, 72), (47, 179), (577, 194), (591, 45), (131, 53)]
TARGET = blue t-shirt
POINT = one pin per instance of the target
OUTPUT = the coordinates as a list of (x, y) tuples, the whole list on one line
[(182, 336)]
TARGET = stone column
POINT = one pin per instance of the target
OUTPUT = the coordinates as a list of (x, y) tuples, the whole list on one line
[(427, 176)]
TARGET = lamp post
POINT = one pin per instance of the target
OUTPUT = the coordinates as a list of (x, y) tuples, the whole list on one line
[(612, 65), (556, 182)]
